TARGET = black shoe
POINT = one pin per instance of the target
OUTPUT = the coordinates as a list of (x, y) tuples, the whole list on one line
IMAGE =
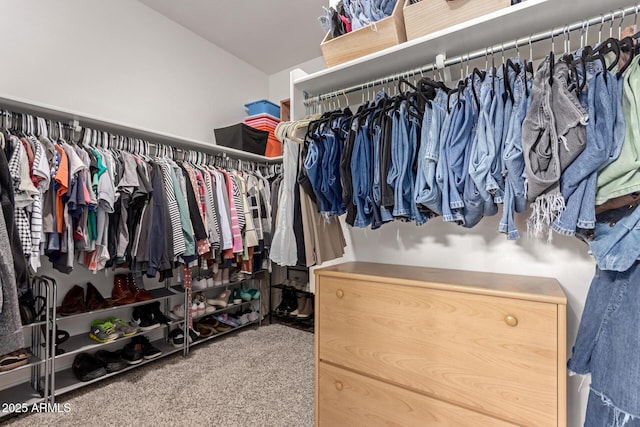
[(142, 317), (155, 314), (86, 367), (148, 351), (112, 361), (132, 352), (176, 338)]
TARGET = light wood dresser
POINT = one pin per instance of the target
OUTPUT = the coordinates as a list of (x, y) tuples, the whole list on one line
[(412, 346)]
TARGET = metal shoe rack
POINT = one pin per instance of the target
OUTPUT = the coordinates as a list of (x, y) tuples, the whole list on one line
[(46, 384)]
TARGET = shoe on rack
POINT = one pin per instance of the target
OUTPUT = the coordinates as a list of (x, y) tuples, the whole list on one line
[(236, 276), (255, 294), (205, 330), (148, 350), (103, 331), (235, 298), (86, 367), (225, 275), (225, 319), (220, 300), (95, 300), (301, 302), (14, 359), (307, 309), (155, 314), (140, 294), (193, 336), (210, 282), (122, 327), (178, 311), (132, 352), (121, 294), (289, 302), (253, 316), (176, 338), (111, 360), (199, 283), (209, 309), (73, 302), (142, 316), (245, 295)]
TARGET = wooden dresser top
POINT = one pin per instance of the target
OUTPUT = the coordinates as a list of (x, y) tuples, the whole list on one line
[(543, 289)]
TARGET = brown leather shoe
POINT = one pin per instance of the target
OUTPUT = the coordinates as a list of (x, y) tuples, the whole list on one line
[(121, 294), (95, 300), (73, 302), (139, 294)]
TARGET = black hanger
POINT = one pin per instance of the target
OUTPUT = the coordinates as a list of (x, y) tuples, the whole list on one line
[(627, 45), (608, 46)]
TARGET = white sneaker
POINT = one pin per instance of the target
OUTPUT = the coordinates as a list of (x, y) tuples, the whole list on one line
[(210, 283), (209, 309), (199, 283), (220, 300), (178, 311)]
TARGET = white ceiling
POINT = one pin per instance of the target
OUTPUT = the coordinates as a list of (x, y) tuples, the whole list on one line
[(271, 35)]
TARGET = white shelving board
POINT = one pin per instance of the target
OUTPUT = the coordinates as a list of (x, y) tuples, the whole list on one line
[(60, 114), (522, 20)]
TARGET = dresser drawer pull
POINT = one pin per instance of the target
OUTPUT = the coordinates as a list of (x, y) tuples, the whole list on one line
[(339, 386), (511, 320), (339, 293)]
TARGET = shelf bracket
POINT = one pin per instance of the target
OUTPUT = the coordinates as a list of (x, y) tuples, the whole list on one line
[(444, 71)]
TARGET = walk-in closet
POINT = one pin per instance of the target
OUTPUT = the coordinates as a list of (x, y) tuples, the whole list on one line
[(322, 213)]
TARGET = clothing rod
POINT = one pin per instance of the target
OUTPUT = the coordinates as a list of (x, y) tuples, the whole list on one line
[(524, 41), (57, 114)]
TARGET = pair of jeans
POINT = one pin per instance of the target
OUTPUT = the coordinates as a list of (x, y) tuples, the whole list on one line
[(512, 155), (474, 204), (361, 175), (578, 181), (313, 165), (402, 154), (428, 192), (607, 346), (453, 131)]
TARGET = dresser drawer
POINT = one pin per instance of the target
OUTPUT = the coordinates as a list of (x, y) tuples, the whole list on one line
[(348, 399), (494, 355)]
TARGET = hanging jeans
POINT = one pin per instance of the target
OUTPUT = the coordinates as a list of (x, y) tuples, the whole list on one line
[(578, 180), (452, 158), (428, 193), (607, 346), (514, 194), (361, 171), (475, 205), (485, 158)]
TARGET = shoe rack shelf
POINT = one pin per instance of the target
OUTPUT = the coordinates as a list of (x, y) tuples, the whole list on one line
[(220, 334), (66, 381), (226, 309), (46, 384), (158, 294), (37, 388)]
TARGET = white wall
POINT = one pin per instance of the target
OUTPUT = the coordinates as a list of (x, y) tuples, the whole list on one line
[(122, 61), (279, 82)]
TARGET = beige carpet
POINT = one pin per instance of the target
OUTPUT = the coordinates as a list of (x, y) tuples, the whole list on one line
[(257, 377)]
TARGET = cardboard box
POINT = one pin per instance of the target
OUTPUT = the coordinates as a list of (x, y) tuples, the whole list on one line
[(429, 16), (377, 36)]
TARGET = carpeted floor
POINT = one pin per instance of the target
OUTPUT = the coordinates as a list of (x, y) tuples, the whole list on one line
[(259, 377)]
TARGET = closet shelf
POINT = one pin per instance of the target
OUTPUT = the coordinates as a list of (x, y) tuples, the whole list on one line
[(158, 294), (64, 115), (218, 335), (516, 21), (82, 343), (226, 309), (66, 381)]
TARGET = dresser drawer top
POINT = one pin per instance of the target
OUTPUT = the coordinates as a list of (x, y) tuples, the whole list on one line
[(543, 289)]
